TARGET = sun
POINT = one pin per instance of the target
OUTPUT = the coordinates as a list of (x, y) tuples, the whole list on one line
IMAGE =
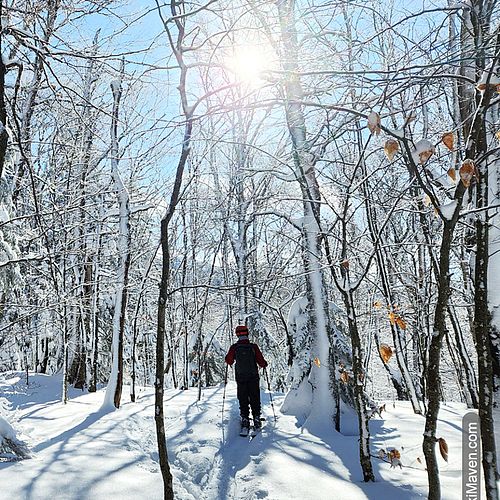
[(248, 64)]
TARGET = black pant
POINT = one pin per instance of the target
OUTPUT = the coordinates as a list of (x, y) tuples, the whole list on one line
[(249, 394)]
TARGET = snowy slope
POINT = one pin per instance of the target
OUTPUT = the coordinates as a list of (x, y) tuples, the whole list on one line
[(83, 453)]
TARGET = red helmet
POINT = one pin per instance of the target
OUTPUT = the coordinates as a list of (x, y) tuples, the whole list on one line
[(241, 330)]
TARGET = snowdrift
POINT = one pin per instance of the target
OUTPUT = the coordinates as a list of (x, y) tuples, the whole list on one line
[(80, 452)]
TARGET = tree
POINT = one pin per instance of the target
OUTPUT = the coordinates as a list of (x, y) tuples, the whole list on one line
[(114, 389)]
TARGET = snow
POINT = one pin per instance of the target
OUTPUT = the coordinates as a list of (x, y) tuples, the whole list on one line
[(424, 149), (4, 215), (448, 210), (400, 133), (115, 86), (9, 62), (6, 430), (489, 77), (81, 452), (494, 241), (373, 119)]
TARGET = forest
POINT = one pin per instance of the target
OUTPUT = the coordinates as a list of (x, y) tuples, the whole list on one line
[(325, 172)]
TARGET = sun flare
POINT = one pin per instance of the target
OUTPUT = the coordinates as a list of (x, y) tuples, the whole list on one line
[(248, 64)]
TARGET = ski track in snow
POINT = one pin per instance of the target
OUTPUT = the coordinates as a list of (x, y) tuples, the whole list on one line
[(81, 452)]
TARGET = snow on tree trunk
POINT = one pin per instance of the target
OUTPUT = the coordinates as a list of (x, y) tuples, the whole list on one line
[(360, 402), (320, 377), (478, 32), (114, 388), (4, 136), (494, 286), (433, 370), (299, 398), (485, 329)]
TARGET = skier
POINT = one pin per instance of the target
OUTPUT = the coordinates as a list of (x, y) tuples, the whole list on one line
[(247, 356)]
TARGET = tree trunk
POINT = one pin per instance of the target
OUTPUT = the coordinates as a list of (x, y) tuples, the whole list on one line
[(319, 322), (4, 136), (114, 389), (160, 361), (482, 318), (409, 386), (358, 383), (433, 371)]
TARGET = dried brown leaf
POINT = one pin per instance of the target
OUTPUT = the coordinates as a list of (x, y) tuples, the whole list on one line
[(443, 449), (385, 353), (448, 140), (467, 172), (374, 123), (392, 318), (391, 147), (452, 173), (425, 155), (401, 323)]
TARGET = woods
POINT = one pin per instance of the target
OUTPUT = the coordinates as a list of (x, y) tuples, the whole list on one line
[(326, 173)]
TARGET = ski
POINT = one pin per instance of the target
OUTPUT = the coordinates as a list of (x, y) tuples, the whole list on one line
[(255, 432)]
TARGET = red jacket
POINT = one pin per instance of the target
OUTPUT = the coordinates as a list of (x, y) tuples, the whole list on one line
[(258, 355)]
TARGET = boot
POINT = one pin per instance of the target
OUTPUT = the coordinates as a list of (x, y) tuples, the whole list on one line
[(245, 427), (257, 424)]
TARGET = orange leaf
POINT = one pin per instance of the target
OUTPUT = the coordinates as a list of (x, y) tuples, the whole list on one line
[(344, 377), (448, 140), (391, 147), (377, 304), (424, 149), (443, 449), (467, 172), (401, 323), (317, 362), (385, 353), (452, 173), (425, 155), (392, 318), (497, 135)]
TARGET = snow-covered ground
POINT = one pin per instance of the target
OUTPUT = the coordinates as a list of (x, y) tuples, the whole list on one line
[(81, 452)]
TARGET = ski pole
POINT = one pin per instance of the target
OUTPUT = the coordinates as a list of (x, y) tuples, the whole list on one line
[(270, 395), (223, 400)]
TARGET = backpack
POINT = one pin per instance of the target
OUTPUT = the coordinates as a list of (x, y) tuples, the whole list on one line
[(246, 365)]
